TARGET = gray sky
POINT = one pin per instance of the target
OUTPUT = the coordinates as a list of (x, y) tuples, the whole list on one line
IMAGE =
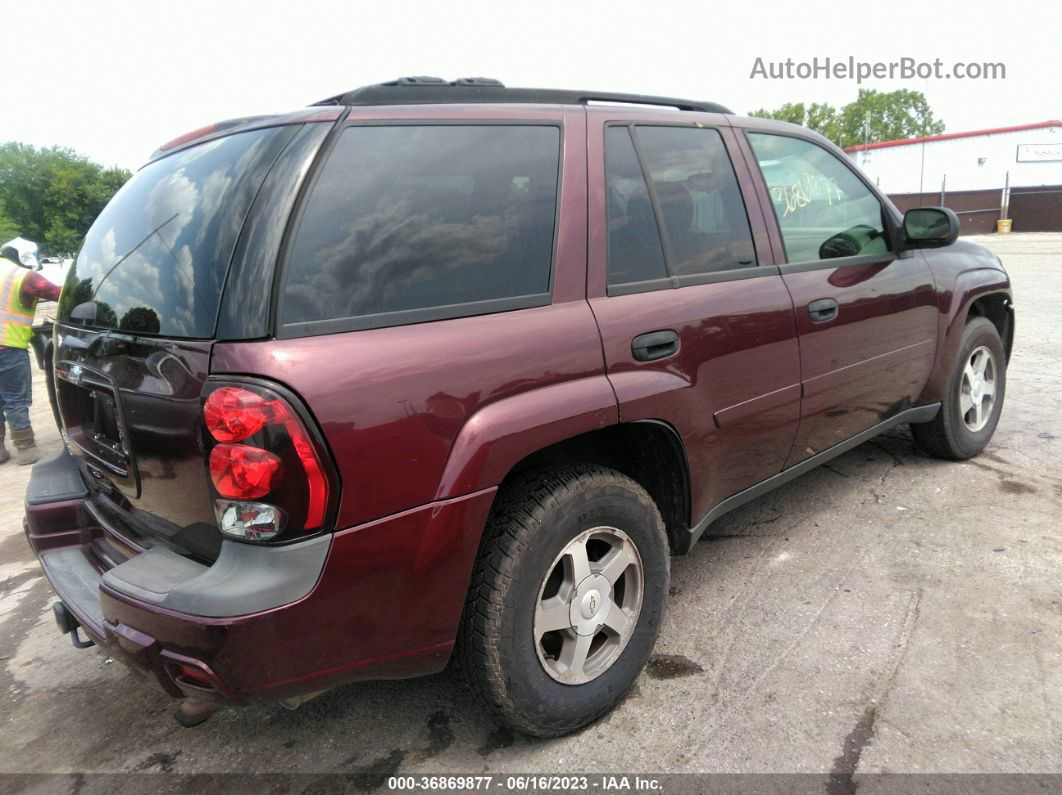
[(115, 80)]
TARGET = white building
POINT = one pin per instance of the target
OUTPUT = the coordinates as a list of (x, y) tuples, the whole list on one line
[(968, 161)]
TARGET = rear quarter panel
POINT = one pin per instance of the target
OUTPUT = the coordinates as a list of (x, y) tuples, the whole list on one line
[(392, 403)]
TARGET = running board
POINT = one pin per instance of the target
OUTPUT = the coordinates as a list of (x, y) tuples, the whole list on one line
[(917, 414)]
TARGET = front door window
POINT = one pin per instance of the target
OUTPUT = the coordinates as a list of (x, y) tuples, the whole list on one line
[(823, 209)]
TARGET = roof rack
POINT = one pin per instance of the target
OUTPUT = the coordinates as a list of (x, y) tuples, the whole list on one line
[(435, 90)]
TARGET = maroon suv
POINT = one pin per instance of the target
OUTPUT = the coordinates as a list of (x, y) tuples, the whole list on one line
[(448, 369)]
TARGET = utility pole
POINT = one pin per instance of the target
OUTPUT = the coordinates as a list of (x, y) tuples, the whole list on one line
[(922, 167)]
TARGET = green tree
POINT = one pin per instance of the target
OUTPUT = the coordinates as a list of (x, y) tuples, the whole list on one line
[(53, 195), (820, 117), (8, 228), (892, 115)]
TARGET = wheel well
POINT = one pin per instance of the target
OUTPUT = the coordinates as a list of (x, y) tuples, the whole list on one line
[(649, 452), (997, 308)]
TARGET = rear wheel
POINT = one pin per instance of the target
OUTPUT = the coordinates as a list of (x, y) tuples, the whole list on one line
[(970, 411), (567, 598)]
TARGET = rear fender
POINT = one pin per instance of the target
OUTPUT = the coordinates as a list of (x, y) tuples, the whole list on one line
[(501, 434)]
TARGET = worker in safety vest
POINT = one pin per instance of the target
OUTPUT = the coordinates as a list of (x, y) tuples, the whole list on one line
[(20, 289)]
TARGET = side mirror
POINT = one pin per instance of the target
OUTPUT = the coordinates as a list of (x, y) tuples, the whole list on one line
[(85, 313), (930, 227)]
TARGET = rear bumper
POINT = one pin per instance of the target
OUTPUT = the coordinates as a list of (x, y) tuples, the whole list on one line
[(377, 601)]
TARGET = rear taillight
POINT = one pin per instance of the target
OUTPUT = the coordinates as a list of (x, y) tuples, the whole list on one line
[(233, 413), (268, 472), (239, 470)]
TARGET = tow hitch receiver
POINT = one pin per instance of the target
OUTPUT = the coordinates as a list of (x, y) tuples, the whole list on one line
[(68, 625)]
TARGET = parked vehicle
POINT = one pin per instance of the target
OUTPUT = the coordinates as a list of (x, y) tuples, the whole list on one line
[(433, 368), (54, 269), (43, 350)]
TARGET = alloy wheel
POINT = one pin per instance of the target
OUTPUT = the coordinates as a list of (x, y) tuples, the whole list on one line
[(977, 392), (588, 605)]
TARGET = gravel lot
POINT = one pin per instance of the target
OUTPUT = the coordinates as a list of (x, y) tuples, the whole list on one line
[(886, 613)]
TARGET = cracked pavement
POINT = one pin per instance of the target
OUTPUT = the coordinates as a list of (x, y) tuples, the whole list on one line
[(886, 613)]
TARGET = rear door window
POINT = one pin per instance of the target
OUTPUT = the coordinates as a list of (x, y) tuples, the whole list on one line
[(409, 223), (699, 201), (155, 260), (634, 251)]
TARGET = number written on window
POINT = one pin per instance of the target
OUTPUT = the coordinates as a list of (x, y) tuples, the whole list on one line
[(823, 209)]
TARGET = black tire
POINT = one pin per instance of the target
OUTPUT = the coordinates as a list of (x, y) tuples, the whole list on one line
[(947, 435), (533, 520)]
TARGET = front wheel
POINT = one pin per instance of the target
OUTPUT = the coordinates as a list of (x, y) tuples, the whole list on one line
[(566, 599), (970, 411)]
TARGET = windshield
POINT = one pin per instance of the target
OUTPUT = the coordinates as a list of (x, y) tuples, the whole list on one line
[(155, 260)]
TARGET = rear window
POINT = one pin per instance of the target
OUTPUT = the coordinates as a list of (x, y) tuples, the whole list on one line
[(408, 223), (155, 260)]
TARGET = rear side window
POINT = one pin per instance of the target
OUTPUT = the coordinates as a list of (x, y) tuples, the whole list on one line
[(823, 209), (408, 223), (700, 203), (155, 260)]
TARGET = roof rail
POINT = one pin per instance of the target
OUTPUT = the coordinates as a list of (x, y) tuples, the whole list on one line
[(435, 90)]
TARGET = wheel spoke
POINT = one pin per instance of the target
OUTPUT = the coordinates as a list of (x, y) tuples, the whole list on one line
[(616, 562), (552, 615), (617, 620), (980, 361), (978, 405), (965, 402), (989, 389), (578, 562), (574, 653), (969, 374)]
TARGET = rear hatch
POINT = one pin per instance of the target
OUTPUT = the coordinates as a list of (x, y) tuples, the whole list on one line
[(135, 327)]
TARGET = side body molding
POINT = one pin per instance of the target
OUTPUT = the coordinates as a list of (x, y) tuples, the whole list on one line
[(500, 434)]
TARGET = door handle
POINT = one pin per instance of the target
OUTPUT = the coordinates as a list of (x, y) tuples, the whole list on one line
[(822, 310), (655, 345)]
